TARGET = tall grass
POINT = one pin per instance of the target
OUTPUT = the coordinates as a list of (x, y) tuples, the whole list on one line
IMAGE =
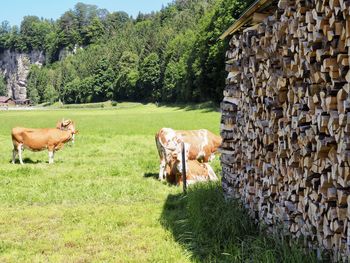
[(213, 229)]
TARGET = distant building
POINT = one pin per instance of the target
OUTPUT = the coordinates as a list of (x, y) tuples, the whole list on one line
[(6, 101), (25, 102)]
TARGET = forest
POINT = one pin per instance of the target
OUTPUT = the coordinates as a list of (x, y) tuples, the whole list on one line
[(94, 55)]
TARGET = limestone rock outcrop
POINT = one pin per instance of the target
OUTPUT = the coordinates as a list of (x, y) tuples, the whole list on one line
[(15, 67)]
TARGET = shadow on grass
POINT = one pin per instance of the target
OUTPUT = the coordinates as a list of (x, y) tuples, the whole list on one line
[(151, 175), (213, 229), (205, 106), (28, 161)]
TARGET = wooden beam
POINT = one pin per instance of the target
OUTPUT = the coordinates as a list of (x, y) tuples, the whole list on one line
[(246, 17)]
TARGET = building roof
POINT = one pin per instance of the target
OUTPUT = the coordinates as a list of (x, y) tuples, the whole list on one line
[(257, 12), (4, 99)]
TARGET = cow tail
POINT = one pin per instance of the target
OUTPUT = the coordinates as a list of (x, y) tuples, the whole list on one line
[(158, 145)]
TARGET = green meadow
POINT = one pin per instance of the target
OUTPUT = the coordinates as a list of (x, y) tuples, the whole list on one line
[(101, 200)]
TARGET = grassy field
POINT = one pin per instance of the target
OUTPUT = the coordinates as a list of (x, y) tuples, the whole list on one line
[(101, 202)]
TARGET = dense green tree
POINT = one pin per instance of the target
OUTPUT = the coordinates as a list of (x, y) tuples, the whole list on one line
[(104, 77), (50, 94), (115, 22), (128, 75), (177, 78), (33, 32), (86, 90), (51, 46), (84, 13), (94, 31), (173, 81), (149, 80), (5, 30), (71, 91), (33, 94), (208, 63), (89, 25), (13, 41), (32, 91), (68, 30), (37, 83)]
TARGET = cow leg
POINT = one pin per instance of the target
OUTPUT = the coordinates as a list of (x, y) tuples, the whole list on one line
[(162, 170), (211, 174), (19, 150), (212, 157), (14, 153), (51, 156)]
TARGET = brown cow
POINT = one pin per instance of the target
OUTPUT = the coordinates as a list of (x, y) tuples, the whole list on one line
[(64, 125), (195, 171), (202, 145), (52, 139)]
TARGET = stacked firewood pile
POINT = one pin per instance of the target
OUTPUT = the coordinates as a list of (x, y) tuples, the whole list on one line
[(286, 121)]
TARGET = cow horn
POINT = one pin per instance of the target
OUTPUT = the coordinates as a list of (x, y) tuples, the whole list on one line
[(66, 122)]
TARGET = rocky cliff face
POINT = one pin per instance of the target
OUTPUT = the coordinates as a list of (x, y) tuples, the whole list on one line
[(15, 67)]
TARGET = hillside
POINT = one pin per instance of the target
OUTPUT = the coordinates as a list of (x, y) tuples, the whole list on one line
[(92, 55)]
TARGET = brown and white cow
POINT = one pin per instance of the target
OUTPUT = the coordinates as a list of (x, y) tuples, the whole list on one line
[(195, 171), (202, 145), (52, 139)]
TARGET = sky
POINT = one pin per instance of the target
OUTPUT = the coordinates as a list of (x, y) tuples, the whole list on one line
[(14, 10)]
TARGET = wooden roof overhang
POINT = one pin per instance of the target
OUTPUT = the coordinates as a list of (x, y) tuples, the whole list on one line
[(4, 99), (255, 14)]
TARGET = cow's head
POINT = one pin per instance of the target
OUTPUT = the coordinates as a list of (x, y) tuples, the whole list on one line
[(67, 125), (177, 158)]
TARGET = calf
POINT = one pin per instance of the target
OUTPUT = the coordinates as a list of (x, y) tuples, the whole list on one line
[(195, 171), (202, 145), (40, 139)]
